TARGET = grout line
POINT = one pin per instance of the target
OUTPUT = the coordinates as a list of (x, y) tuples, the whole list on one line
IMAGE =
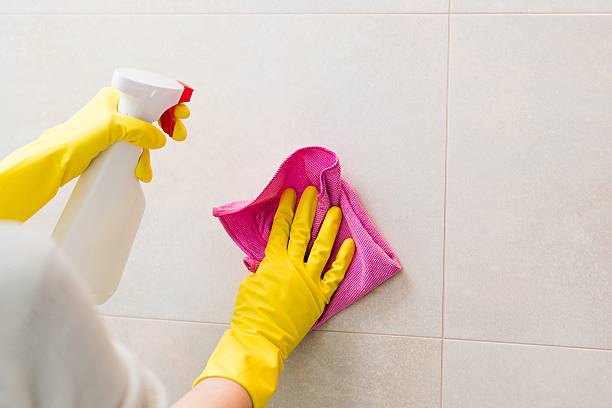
[(517, 343), (378, 334), (221, 13), (159, 319), (188, 14), (531, 13), (409, 336), (443, 305)]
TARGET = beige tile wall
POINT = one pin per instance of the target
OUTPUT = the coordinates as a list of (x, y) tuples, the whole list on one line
[(479, 140)]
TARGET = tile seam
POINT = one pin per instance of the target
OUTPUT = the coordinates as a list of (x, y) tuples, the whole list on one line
[(159, 319), (432, 13), (443, 304), (187, 14), (454, 339), (518, 343)]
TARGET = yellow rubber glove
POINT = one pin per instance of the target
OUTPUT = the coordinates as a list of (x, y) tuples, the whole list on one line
[(31, 176), (277, 305)]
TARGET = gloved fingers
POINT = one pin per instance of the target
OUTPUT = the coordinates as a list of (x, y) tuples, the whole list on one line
[(322, 247), (179, 133), (336, 273), (122, 127), (139, 132), (181, 111), (302, 223), (279, 235), (143, 170)]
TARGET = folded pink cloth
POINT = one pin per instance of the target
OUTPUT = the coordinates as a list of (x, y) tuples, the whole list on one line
[(249, 222)]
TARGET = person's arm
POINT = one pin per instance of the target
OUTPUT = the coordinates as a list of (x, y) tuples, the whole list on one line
[(216, 392), (54, 347), (32, 175), (275, 307)]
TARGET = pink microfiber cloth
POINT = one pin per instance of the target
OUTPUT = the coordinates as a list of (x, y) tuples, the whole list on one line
[(249, 222)]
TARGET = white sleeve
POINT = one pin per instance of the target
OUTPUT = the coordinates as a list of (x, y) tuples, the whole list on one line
[(54, 349)]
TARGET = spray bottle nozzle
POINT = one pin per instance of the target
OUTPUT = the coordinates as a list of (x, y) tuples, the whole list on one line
[(167, 119)]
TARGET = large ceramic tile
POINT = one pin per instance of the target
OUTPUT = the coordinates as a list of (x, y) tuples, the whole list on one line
[(327, 369), (529, 227), (370, 87), (361, 370), (482, 375), (526, 6), (227, 6)]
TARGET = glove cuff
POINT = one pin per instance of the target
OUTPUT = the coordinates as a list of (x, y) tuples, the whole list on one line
[(248, 359)]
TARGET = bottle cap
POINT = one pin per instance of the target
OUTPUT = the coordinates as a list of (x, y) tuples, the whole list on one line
[(145, 95)]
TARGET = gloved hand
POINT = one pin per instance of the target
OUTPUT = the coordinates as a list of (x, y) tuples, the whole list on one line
[(98, 125), (31, 176), (278, 305)]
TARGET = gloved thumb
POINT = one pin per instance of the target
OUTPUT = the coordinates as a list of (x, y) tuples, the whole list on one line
[(333, 277), (143, 170)]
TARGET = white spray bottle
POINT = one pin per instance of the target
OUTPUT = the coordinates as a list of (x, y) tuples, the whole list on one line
[(100, 221)]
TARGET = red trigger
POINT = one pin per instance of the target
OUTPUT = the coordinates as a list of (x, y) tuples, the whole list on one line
[(167, 119)]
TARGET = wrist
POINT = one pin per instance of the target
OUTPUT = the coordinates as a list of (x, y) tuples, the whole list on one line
[(248, 359)]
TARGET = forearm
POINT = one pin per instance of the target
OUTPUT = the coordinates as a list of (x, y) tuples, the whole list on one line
[(215, 392), (32, 175), (54, 348)]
